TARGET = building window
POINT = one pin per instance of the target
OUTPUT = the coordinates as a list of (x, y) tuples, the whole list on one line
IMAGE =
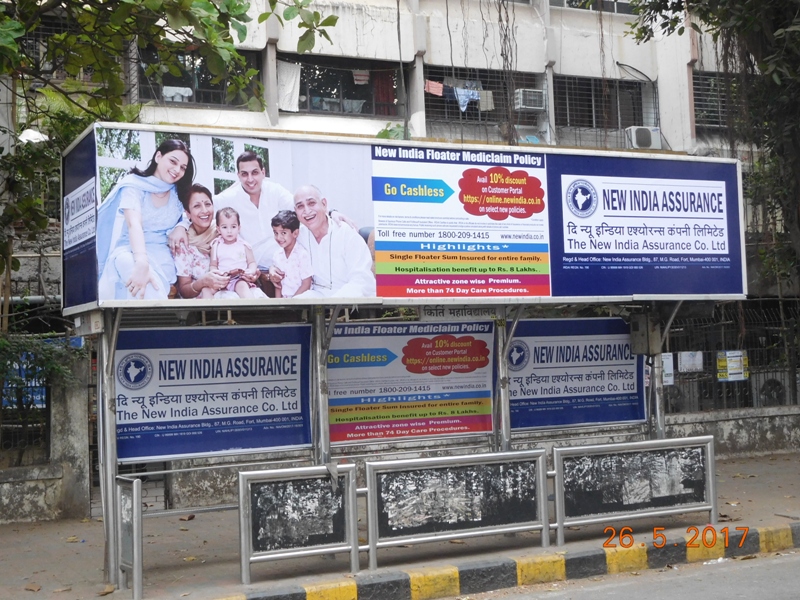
[(484, 96), (622, 7), (348, 87), (596, 112), (194, 84), (598, 103), (712, 99)]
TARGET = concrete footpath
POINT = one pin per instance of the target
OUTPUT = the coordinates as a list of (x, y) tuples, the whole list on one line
[(198, 559)]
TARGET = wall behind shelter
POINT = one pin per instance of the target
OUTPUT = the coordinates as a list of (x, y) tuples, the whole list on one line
[(60, 489)]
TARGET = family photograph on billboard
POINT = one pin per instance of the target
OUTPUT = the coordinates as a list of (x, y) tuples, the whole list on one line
[(194, 216)]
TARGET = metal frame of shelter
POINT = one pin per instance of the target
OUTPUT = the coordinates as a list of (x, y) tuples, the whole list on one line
[(509, 312), (322, 332)]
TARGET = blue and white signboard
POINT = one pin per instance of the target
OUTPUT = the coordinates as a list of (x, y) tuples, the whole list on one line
[(574, 372), (642, 226), (192, 392)]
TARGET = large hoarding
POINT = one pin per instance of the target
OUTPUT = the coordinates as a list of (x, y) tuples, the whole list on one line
[(188, 392), (390, 222)]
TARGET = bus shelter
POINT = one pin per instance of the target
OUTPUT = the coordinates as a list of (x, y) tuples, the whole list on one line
[(456, 241)]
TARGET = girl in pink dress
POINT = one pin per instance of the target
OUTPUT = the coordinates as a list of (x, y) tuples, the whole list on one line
[(233, 256)]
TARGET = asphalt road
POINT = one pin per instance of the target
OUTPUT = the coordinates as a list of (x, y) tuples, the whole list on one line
[(773, 576)]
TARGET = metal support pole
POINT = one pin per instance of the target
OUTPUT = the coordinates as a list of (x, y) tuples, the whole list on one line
[(657, 381), (502, 410), (107, 442), (322, 335)]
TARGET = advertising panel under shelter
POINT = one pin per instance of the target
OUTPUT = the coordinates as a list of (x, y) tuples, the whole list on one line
[(209, 391)]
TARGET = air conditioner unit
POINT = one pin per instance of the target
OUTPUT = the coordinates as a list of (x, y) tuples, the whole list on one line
[(529, 99), (643, 137)]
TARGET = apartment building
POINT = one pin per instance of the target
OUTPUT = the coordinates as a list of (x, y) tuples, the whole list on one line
[(538, 72)]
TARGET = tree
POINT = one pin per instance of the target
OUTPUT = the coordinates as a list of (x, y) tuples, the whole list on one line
[(760, 43), (99, 34), (68, 74)]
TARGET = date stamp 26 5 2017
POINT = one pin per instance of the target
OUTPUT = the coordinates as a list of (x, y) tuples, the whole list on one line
[(709, 537)]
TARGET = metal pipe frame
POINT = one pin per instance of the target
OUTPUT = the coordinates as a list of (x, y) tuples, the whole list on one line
[(501, 412), (373, 469), (503, 336), (107, 442), (248, 557), (559, 454), (658, 377), (321, 334), (134, 566)]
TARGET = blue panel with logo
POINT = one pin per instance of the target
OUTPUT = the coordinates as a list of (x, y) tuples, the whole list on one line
[(574, 372), (211, 391), (637, 226)]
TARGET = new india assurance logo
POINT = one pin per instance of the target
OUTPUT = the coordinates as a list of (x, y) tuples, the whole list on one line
[(135, 371), (581, 198)]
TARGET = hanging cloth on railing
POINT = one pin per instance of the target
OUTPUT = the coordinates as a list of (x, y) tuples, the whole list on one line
[(288, 86), (464, 97), (434, 87), (360, 77)]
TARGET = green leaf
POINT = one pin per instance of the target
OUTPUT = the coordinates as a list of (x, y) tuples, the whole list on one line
[(153, 5), (255, 105), (264, 16), (290, 12), (215, 64), (240, 29), (177, 19), (306, 42), (329, 21), (307, 17)]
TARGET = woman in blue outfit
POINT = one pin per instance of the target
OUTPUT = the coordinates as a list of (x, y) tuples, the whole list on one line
[(134, 221)]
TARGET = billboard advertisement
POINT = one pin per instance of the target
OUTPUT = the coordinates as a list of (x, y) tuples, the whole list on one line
[(391, 381), (565, 372), (158, 215), (188, 392)]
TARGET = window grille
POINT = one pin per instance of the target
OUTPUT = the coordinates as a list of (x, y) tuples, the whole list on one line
[(34, 46), (24, 423), (595, 112), (194, 84), (622, 7), (348, 87), (712, 99), (500, 87)]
